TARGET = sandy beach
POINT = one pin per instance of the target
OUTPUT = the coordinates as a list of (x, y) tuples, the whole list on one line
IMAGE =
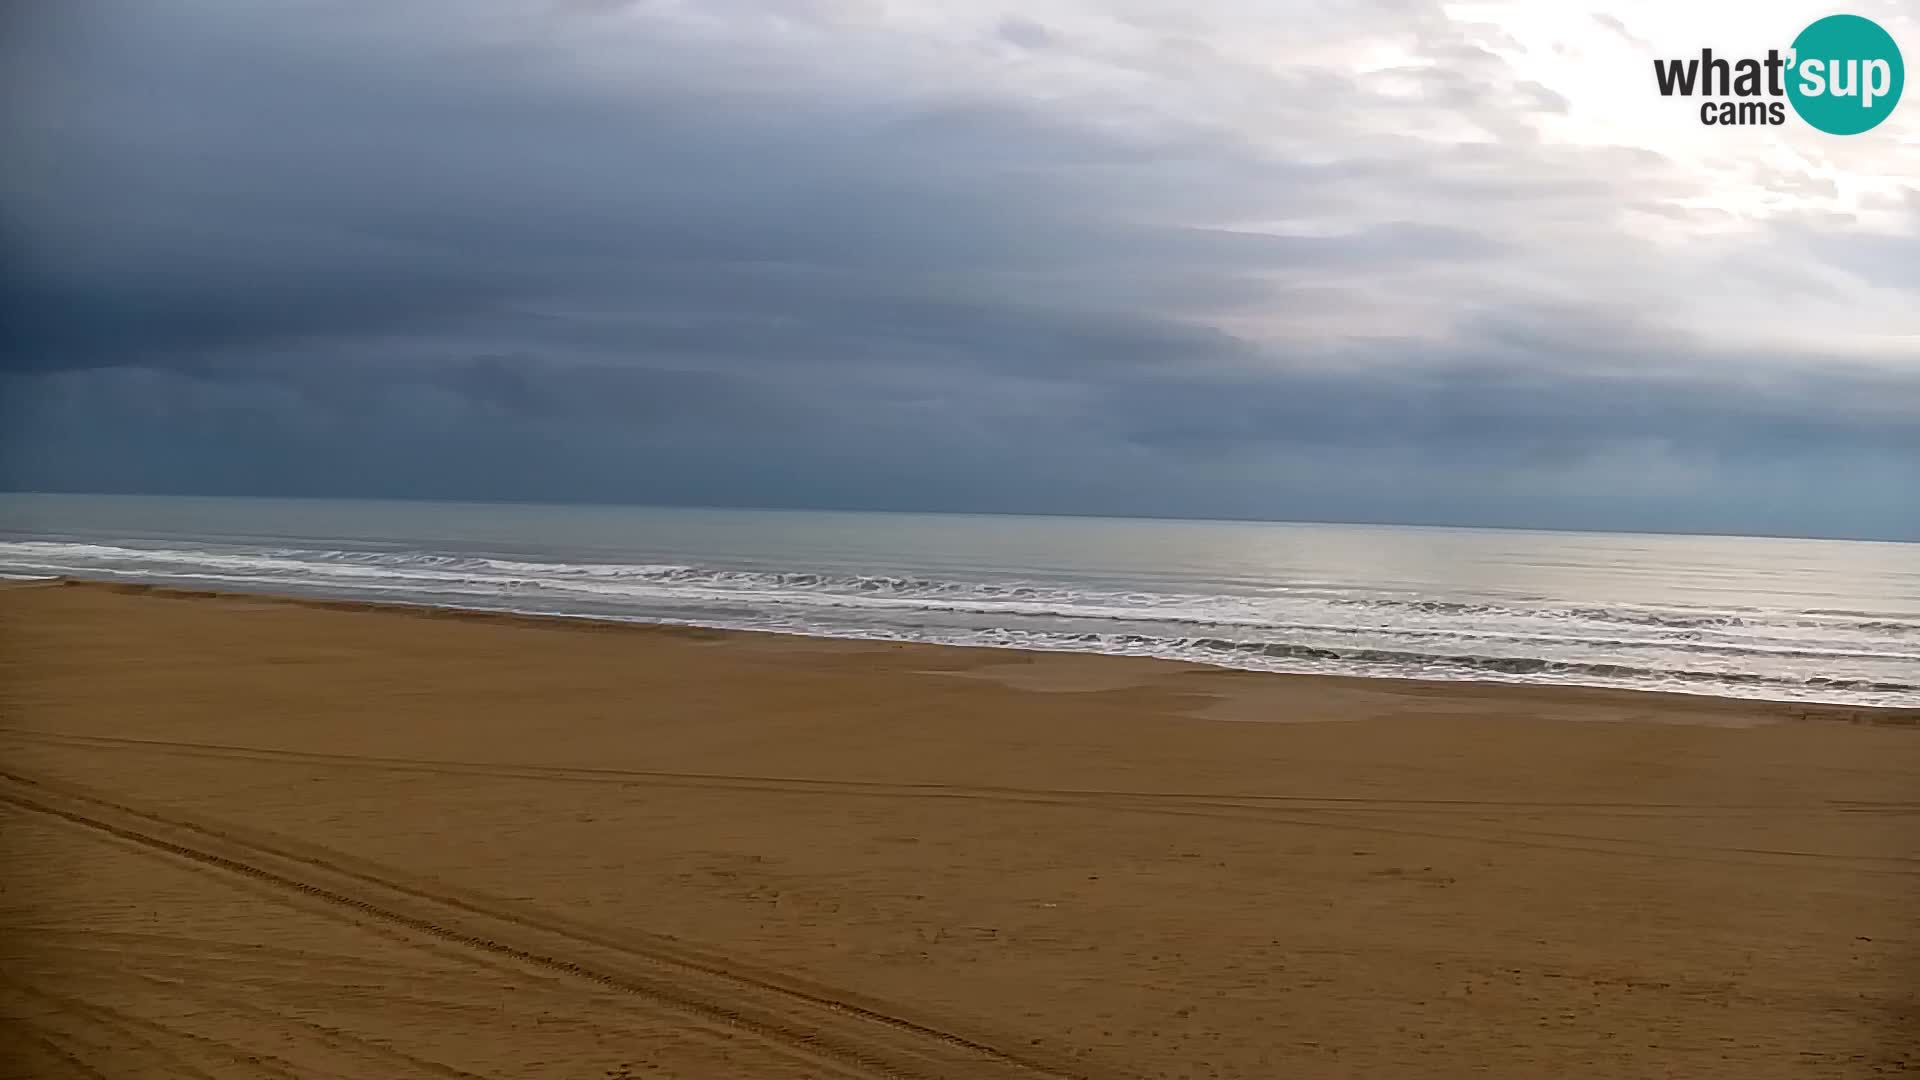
[(254, 837)]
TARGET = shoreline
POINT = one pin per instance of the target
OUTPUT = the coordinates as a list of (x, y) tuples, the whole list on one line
[(1774, 709)]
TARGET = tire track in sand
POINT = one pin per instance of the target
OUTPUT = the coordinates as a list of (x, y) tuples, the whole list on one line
[(1431, 819), (826, 1030), (1072, 796)]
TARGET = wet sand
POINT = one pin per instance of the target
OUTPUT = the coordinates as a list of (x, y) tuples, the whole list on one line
[(247, 837)]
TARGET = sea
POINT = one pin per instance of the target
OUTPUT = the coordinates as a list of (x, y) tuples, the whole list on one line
[(1785, 619)]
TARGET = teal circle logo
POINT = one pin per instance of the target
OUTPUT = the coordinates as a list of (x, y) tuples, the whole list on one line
[(1846, 76)]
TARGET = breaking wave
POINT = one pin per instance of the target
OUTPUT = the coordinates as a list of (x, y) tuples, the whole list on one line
[(1835, 654)]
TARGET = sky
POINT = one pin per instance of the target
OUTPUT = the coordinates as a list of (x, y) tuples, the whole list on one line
[(1391, 261)]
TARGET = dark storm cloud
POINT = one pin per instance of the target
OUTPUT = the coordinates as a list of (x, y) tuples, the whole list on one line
[(602, 251), (273, 195)]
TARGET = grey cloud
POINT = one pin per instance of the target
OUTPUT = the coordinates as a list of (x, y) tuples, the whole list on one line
[(254, 250), (1614, 24), (1027, 33)]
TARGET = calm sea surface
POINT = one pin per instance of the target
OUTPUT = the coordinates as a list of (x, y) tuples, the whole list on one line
[(1818, 620)]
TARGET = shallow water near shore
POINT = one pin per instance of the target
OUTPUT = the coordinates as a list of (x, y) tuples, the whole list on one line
[(1783, 619)]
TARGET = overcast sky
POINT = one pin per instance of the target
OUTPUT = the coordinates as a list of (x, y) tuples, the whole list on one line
[(1391, 261)]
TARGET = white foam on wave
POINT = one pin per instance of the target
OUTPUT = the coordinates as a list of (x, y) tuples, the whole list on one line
[(1857, 656)]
